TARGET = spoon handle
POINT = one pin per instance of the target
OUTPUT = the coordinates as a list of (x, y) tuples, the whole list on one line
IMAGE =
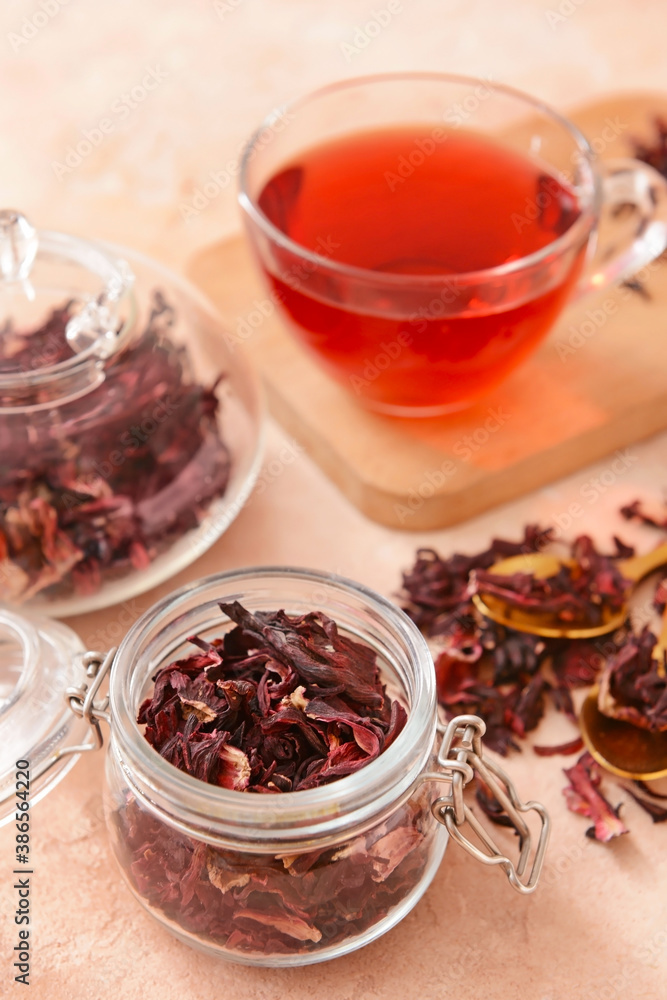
[(638, 567)]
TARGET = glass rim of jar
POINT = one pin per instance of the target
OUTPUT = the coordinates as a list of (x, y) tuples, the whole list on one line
[(579, 230), (210, 811)]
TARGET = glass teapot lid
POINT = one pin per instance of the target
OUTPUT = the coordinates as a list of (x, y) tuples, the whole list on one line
[(39, 660), (43, 271)]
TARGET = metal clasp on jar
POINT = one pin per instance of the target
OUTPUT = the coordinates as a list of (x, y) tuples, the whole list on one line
[(460, 759), (82, 702)]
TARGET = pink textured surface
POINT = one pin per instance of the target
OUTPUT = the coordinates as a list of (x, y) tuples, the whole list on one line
[(597, 928)]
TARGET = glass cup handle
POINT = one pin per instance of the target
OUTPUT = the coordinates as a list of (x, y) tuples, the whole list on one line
[(636, 191), (460, 759)]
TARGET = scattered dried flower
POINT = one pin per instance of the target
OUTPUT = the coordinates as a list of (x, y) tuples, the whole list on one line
[(562, 749), (657, 813), (583, 796)]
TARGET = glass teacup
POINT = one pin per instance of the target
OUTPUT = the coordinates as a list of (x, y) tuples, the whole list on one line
[(422, 232)]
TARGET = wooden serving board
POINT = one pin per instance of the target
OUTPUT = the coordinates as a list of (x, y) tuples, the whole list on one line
[(597, 384)]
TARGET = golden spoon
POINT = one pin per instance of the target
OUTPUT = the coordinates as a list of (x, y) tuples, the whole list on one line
[(620, 746), (542, 565)]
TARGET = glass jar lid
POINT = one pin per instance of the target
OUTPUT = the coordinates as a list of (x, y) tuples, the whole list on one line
[(39, 660)]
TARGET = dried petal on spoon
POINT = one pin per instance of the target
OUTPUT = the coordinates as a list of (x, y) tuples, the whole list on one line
[(435, 588), (633, 685), (579, 593)]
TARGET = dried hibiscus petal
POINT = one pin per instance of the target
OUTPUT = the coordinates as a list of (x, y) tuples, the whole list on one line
[(654, 152), (561, 749), (583, 796), (578, 593), (436, 587), (633, 685), (125, 470), (498, 673), (279, 704), (269, 904), (657, 813)]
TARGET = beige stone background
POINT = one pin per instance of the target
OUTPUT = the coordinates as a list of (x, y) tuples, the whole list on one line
[(597, 929)]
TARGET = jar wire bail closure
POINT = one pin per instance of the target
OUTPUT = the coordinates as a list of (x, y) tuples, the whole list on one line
[(460, 759)]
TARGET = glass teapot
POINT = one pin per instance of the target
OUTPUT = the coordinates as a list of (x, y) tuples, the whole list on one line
[(129, 427)]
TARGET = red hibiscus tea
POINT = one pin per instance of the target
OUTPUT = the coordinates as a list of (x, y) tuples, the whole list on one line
[(423, 211)]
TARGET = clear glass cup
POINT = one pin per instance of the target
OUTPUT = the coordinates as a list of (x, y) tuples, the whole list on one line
[(434, 339), (286, 879)]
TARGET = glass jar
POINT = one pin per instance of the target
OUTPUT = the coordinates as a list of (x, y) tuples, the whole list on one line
[(130, 425), (296, 877)]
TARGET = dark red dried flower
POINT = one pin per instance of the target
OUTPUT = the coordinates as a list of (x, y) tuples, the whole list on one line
[(128, 467), (495, 672), (276, 904), (578, 593), (655, 151), (657, 813), (584, 797), (278, 704), (633, 685), (562, 749), (635, 512), (435, 587)]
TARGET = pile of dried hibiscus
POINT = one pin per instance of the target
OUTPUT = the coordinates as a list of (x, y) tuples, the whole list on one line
[(507, 677), (278, 704), (99, 484)]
